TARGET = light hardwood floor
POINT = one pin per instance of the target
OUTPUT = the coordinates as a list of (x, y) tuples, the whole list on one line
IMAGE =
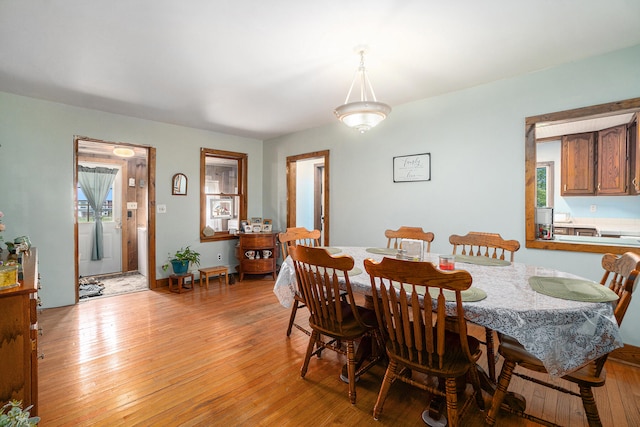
[(221, 357)]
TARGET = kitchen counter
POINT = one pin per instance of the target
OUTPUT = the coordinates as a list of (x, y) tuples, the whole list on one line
[(614, 241)]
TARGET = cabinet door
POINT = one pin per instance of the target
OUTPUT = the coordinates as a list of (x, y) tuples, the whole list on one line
[(612, 161), (578, 165), (634, 156)]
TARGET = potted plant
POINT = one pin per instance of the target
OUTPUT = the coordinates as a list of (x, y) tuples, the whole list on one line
[(181, 259), (12, 414)]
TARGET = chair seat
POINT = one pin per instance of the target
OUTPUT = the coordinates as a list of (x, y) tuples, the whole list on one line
[(455, 362), (350, 326), (510, 348)]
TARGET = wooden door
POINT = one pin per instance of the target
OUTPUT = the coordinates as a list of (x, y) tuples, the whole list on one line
[(612, 161), (578, 165), (634, 156)]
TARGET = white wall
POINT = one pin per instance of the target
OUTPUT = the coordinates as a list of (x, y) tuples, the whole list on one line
[(476, 141), (36, 182)]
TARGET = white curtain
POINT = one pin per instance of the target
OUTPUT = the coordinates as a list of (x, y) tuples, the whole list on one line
[(95, 183)]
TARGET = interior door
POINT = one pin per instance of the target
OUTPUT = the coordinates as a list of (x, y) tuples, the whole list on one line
[(308, 192), (112, 234)]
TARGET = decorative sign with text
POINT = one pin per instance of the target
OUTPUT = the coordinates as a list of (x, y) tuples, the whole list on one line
[(416, 167)]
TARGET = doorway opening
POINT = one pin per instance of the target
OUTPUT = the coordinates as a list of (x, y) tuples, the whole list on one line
[(114, 251), (308, 192)]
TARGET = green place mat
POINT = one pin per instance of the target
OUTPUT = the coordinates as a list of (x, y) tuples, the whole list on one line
[(470, 295), (481, 260), (572, 289), (353, 272), (383, 251), (331, 250)]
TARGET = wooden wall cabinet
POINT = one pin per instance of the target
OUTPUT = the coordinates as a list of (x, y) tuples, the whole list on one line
[(597, 163), (634, 156), (19, 338), (578, 165), (258, 243), (612, 161)]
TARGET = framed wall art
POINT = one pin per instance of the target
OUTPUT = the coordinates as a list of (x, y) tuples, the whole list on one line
[(415, 167)]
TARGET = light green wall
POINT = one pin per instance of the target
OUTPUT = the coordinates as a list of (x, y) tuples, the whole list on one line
[(36, 176), (476, 140)]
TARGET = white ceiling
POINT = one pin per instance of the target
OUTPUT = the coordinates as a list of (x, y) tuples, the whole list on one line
[(266, 68)]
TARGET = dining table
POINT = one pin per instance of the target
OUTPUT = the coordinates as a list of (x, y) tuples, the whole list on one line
[(564, 330)]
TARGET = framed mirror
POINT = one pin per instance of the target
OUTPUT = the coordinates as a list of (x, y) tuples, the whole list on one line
[(179, 185), (593, 209)]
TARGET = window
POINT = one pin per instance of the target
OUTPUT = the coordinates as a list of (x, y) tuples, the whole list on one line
[(85, 211), (223, 194), (544, 185)]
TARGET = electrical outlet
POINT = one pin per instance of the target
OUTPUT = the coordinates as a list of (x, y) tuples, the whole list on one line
[(593, 208), (219, 257)]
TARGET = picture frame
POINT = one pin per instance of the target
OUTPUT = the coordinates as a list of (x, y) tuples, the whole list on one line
[(267, 227), (412, 168), (221, 207), (247, 228), (256, 228), (256, 220), (178, 184)]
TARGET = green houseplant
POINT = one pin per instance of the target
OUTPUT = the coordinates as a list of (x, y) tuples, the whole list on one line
[(12, 415), (181, 259)]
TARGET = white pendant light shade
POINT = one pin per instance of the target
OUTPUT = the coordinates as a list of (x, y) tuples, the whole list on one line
[(364, 114)]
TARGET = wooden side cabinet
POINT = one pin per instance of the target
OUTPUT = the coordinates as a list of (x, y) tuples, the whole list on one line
[(257, 253), (19, 337)]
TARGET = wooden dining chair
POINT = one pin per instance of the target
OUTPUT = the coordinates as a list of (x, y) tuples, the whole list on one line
[(490, 245), (291, 237), (620, 274), (321, 279), (394, 237), (416, 338)]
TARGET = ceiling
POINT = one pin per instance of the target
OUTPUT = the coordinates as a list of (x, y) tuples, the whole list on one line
[(261, 69)]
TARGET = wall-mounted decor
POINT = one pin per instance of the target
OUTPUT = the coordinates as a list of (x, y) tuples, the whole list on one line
[(416, 167), (179, 185)]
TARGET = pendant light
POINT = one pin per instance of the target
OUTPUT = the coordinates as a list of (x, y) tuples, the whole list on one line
[(366, 113)]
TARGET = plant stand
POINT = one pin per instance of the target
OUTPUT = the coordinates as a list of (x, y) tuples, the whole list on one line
[(178, 280)]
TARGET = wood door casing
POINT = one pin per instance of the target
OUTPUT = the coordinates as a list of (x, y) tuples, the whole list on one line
[(291, 189)]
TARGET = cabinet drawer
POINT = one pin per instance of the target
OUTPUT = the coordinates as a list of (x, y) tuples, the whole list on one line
[(257, 265), (257, 241)]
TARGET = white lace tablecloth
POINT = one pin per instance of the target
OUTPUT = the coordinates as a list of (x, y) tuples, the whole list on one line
[(563, 334)]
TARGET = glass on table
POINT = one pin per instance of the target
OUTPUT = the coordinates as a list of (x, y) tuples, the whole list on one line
[(447, 262)]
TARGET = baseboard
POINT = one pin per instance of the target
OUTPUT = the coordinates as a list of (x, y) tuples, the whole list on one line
[(628, 354)]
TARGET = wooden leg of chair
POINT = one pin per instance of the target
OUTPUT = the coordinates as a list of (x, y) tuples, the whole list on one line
[(491, 354), (351, 368), (312, 342), (292, 318), (452, 402), (501, 391), (475, 382), (590, 408), (389, 376)]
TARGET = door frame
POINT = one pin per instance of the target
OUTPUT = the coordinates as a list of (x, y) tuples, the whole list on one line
[(291, 189), (151, 210)]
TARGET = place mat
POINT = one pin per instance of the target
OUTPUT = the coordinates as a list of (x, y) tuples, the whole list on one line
[(331, 250), (481, 260), (353, 272), (572, 289), (469, 295), (383, 251)]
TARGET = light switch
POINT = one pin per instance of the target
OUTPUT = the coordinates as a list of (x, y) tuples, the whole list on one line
[(132, 205), (132, 182), (162, 209)]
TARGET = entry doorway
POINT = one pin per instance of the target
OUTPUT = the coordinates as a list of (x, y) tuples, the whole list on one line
[(119, 179), (308, 192)]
